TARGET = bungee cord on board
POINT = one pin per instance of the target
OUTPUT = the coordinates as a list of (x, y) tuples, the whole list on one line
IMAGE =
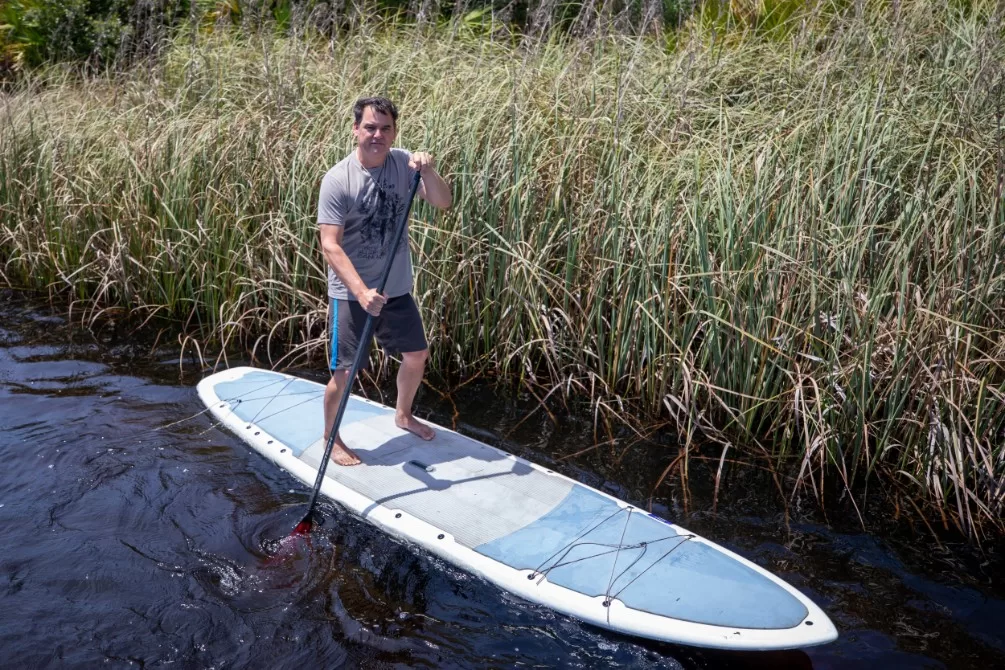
[(559, 556)]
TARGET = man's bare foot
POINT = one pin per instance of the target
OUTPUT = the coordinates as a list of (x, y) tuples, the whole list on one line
[(343, 455), (413, 425)]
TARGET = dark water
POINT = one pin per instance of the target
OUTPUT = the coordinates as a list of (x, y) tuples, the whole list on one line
[(132, 542)]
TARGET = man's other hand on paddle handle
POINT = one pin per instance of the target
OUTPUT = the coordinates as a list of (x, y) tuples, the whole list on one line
[(422, 162), (372, 301), (432, 189)]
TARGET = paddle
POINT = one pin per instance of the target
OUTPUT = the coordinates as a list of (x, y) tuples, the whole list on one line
[(362, 352)]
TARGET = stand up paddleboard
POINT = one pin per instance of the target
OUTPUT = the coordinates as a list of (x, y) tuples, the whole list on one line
[(530, 531)]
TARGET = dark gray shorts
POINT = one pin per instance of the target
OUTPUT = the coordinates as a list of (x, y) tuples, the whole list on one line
[(398, 329)]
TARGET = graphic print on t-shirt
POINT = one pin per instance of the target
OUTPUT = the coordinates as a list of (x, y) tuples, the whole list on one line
[(380, 209)]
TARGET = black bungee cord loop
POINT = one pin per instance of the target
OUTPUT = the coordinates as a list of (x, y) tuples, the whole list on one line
[(544, 568)]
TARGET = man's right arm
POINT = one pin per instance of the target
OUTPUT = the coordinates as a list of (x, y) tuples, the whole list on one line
[(331, 246), (332, 210), (336, 257)]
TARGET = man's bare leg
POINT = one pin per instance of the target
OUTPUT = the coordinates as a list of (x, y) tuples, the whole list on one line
[(413, 365), (341, 454)]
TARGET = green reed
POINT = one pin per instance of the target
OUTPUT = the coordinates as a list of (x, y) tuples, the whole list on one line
[(786, 241)]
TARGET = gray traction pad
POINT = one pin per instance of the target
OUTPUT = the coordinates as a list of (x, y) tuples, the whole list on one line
[(471, 491)]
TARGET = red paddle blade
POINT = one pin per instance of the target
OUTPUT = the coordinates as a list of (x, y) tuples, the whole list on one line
[(304, 527)]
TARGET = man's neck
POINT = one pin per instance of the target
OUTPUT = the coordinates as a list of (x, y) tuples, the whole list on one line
[(368, 165)]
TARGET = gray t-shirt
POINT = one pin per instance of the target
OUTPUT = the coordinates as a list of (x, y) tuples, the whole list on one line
[(369, 203)]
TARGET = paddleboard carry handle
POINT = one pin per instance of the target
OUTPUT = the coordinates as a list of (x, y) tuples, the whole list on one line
[(362, 352), (421, 466)]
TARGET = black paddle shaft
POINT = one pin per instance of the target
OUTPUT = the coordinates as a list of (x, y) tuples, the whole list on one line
[(361, 355)]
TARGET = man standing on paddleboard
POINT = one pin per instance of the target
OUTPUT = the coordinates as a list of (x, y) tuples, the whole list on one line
[(361, 200)]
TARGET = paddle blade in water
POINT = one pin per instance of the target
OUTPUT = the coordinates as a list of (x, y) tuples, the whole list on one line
[(304, 527), (293, 547)]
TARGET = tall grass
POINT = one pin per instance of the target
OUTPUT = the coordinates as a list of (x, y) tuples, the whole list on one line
[(784, 236)]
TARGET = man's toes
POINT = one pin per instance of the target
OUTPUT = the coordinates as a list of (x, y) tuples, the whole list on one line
[(416, 427), (344, 456)]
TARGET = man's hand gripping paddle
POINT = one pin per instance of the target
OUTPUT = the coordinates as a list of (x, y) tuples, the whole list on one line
[(307, 523)]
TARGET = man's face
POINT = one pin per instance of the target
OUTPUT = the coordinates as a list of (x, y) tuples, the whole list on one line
[(375, 134)]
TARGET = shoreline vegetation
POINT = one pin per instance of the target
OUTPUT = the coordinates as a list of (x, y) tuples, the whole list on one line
[(775, 227)]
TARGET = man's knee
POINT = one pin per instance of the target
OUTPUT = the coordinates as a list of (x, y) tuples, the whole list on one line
[(415, 357)]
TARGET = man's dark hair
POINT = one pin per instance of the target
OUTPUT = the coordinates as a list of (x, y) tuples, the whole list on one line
[(382, 105)]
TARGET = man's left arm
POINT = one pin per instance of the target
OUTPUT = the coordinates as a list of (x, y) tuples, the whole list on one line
[(433, 188)]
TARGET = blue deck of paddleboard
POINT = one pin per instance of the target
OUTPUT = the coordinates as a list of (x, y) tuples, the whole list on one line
[(576, 544), (289, 409)]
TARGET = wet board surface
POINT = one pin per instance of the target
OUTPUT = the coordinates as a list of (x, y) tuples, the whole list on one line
[(522, 527)]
